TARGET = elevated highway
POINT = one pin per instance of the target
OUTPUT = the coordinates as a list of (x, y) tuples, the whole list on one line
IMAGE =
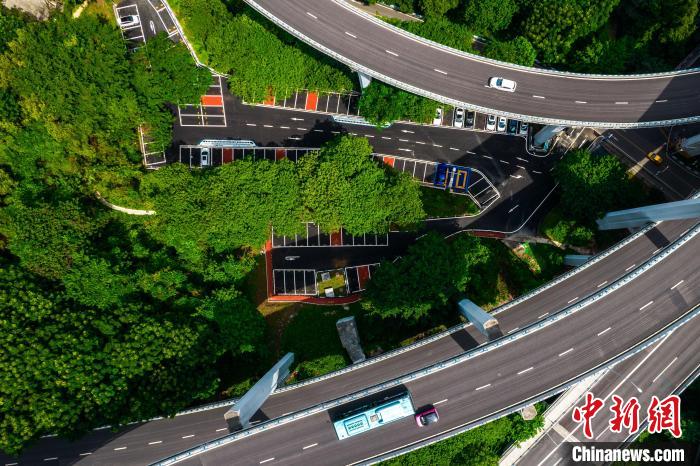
[(374, 48)]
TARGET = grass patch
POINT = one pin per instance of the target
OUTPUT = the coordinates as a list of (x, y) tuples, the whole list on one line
[(441, 203)]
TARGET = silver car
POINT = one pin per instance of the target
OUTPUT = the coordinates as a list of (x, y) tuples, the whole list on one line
[(459, 118), (501, 124)]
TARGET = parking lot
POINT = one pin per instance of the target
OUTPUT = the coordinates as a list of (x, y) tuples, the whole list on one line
[(457, 179), (132, 32), (305, 282), (153, 154), (210, 111), (314, 237), (299, 282), (317, 101), (479, 121), (199, 156), (358, 276)]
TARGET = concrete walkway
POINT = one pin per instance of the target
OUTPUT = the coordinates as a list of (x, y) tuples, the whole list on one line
[(125, 210)]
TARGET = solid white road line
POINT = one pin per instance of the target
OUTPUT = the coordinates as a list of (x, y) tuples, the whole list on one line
[(440, 402), (120, 448), (439, 71), (646, 305), (513, 330), (351, 34), (265, 461), (664, 369), (538, 96), (511, 210), (676, 285), (526, 370), (188, 436), (604, 331), (309, 446), (546, 313), (572, 300), (482, 387), (312, 15), (155, 443), (392, 53), (566, 352)]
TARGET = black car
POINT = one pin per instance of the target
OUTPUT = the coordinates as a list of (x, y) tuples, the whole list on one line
[(469, 121), (512, 126)]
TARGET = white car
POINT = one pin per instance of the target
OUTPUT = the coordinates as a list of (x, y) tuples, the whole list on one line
[(459, 118), (523, 128), (501, 124), (204, 157), (128, 21), (502, 84), (491, 123), (437, 121)]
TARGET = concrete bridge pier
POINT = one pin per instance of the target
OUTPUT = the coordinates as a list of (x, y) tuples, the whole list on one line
[(631, 218), (482, 320), (365, 80), (543, 136)]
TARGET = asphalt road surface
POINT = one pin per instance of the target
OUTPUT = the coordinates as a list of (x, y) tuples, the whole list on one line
[(659, 370), (454, 77), (186, 431)]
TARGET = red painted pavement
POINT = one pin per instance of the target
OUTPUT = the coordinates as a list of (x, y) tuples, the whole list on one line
[(213, 100), (311, 101)]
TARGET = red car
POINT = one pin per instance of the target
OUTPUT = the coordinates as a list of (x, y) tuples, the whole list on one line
[(426, 417)]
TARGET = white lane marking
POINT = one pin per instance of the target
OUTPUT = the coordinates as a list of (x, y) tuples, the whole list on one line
[(453, 148), (511, 210), (629, 268), (676, 285), (321, 131), (251, 124), (120, 448), (558, 461), (11, 464), (296, 119), (407, 131), (269, 459), (304, 129), (335, 132), (437, 145), (351, 34), (268, 126), (188, 436), (406, 150), (517, 177), (86, 453), (440, 402), (223, 428), (439, 71), (420, 142), (369, 135), (526, 370), (661, 101), (470, 152), (646, 305), (535, 171), (294, 138), (386, 137), (604, 331), (351, 134), (312, 15), (487, 156), (392, 53), (284, 127), (602, 284), (621, 103), (523, 160), (155, 443), (53, 458), (546, 313), (572, 300), (309, 446), (482, 387), (520, 166), (654, 253), (566, 352), (513, 330), (538, 96), (503, 161), (580, 101), (664, 369), (403, 140)]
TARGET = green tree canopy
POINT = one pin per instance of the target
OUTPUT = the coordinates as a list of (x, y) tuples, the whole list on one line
[(436, 8), (519, 51), (489, 16), (667, 21), (383, 104)]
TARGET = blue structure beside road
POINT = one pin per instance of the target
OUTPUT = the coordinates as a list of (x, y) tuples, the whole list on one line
[(452, 177)]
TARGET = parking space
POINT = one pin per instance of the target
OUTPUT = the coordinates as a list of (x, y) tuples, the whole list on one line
[(314, 237), (470, 119), (210, 111), (457, 179), (130, 25), (316, 101), (299, 282), (357, 277), (200, 156), (165, 18), (153, 154)]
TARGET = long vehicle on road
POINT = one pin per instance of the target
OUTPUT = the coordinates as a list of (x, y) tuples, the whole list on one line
[(373, 415)]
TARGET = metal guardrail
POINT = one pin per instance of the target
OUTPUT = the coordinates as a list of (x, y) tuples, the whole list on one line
[(457, 103), (437, 367)]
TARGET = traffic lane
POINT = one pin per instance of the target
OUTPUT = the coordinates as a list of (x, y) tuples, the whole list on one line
[(455, 76), (549, 301), (681, 350), (488, 382), (147, 15)]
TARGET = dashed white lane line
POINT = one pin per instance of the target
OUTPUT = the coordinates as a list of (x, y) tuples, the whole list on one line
[(251, 124), (407, 131), (296, 119), (335, 132), (677, 284), (267, 460), (303, 129), (664, 369), (621, 103), (630, 267), (406, 150), (572, 300), (188, 436), (294, 138), (487, 156), (566, 352), (453, 148), (646, 305), (511, 210), (392, 53), (219, 430), (580, 101), (312, 15), (386, 137), (546, 313), (482, 387), (351, 34), (503, 161), (284, 127), (470, 152), (11, 464), (602, 284), (120, 448), (53, 458), (155, 443), (439, 71), (523, 160), (538, 172), (661, 101), (440, 402), (309, 446), (517, 177), (268, 126), (369, 135), (538, 96), (420, 142), (437, 145), (513, 330), (403, 140), (86, 453), (604, 331), (526, 370), (520, 166)]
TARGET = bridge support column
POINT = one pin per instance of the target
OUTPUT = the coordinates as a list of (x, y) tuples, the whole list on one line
[(630, 218), (529, 412), (544, 135), (240, 413), (482, 320), (365, 80), (575, 260), (350, 339)]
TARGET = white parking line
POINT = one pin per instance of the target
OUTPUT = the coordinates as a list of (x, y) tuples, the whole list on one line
[(482, 387), (309, 446), (511, 210), (566, 352), (646, 305), (676, 285), (526, 370), (604, 331)]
